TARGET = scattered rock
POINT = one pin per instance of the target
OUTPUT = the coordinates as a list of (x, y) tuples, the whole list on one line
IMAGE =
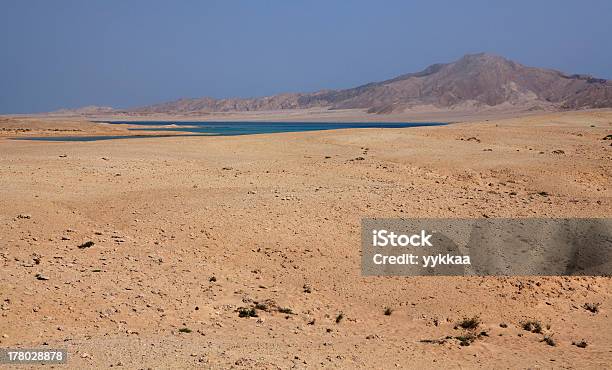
[(40, 276), (87, 244), (24, 216), (580, 344), (548, 339)]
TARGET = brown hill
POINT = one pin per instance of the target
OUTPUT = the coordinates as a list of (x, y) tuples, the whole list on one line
[(87, 110), (474, 81)]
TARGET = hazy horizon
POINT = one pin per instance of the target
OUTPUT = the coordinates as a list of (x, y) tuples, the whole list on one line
[(67, 54)]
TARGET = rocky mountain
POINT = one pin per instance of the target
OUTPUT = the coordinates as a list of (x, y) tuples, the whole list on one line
[(474, 81), (87, 110)]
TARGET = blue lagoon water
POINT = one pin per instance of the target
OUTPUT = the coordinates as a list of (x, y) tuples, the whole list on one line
[(193, 128)]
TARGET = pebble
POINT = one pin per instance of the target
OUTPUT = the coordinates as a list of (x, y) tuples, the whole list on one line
[(40, 276)]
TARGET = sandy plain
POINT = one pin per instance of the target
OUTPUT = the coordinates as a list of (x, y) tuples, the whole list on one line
[(188, 230)]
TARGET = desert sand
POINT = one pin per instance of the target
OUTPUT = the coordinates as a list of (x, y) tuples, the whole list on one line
[(188, 230)]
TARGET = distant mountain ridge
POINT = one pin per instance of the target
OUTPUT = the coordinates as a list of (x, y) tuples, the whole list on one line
[(87, 110), (473, 82)]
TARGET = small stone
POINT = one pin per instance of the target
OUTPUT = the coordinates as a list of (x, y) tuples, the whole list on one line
[(87, 244), (40, 276)]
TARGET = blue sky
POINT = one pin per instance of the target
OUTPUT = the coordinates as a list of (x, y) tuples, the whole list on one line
[(126, 53)]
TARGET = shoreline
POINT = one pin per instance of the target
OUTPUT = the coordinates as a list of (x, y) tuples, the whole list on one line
[(143, 129)]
